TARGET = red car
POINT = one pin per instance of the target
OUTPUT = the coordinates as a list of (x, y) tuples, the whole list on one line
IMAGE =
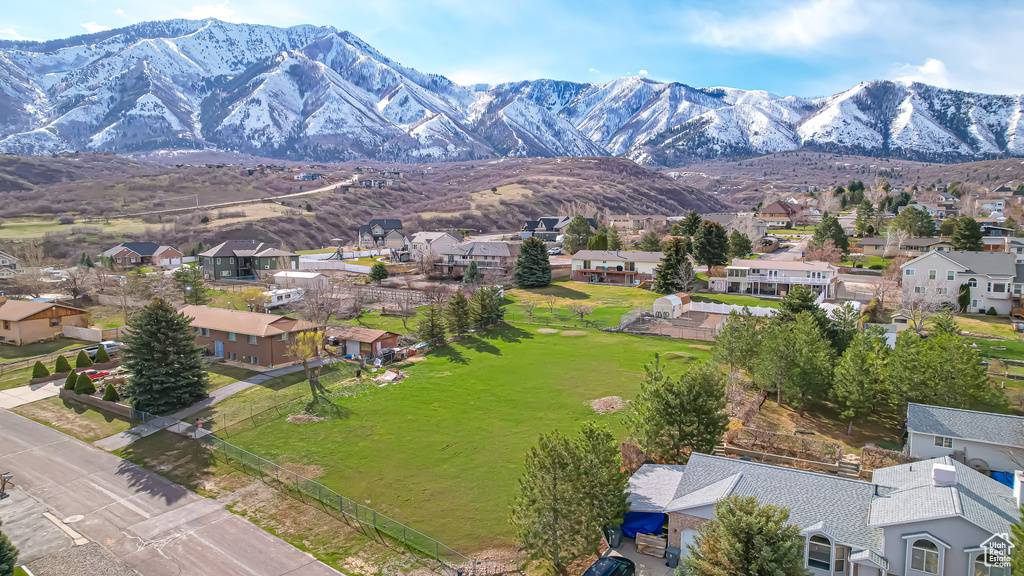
[(95, 374)]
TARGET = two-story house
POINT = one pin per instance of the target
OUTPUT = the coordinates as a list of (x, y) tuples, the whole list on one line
[(989, 275), (494, 257), (778, 214), (246, 337), (549, 228), (8, 265), (429, 245), (130, 254), (622, 267), (637, 222), (984, 441), (245, 259), (382, 233), (927, 518), (755, 228), (776, 277)]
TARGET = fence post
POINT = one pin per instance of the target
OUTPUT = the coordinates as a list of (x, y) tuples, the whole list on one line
[(374, 518)]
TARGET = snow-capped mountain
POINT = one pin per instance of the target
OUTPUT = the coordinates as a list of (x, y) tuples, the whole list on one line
[(322, 93)]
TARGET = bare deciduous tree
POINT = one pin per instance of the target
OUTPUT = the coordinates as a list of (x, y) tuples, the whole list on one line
[(320, 301), (919, 299), (829, 202), (894, 239), (580, 310), (551, 300), (437, 293), (529, 306)]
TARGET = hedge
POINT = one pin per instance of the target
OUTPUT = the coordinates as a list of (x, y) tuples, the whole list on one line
[(101, 355), (69, 382), (62, 365), (40, 371), (110, 394), (84, 385), (83, 360)]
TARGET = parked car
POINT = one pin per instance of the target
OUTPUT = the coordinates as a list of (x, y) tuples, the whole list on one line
[(555, 251), (111, 346), (95, 374), (611, 566)]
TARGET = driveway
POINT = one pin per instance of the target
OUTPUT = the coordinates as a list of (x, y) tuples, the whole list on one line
[(148, 523)]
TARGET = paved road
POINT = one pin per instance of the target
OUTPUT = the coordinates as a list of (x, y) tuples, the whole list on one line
[(152, 525)]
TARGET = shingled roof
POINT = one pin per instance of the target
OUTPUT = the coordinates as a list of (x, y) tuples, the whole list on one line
[(965, 424)]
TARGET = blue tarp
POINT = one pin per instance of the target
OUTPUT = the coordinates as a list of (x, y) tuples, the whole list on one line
[(1003, 478), (642, 523)]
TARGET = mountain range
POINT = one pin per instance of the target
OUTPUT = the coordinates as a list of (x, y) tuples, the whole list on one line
[(320, 93)]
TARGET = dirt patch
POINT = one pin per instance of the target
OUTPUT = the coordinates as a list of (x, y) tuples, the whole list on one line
[(608, 405), (547, 331), (304, 418), (308, 471), (574, 333), (358, 566)]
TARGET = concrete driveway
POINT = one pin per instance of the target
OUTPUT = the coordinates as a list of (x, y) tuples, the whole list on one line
[(148, 523)]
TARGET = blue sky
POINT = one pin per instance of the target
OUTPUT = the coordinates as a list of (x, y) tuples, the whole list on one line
[(802, 47)]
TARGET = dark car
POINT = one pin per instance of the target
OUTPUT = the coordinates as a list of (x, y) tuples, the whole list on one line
[(611, 566)]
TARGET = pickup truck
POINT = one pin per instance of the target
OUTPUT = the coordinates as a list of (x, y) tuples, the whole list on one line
[(111, 346)]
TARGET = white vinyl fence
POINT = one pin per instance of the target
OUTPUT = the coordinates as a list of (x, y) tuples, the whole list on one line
[(713, 308), (311, 264)]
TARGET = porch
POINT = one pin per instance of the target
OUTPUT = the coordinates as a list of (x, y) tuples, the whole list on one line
[(611, 276)]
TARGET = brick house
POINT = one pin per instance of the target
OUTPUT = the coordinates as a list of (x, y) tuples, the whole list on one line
[(246, 337), (26, 321), (143, 254)]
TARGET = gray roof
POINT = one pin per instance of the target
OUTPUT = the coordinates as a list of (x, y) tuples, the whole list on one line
[(966, 424), (624, 255), (993, 263), (906, 242), (908, 495), (245, 248), (653, 486), (500, 249)]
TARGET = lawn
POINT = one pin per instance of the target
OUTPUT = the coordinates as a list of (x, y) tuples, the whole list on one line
[(83, 422), (14, 353), (609, 302), (982, 324), (868, 261), (442, 450), (223, 374), (736, 299)]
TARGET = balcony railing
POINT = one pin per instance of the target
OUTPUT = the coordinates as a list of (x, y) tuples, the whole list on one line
[(785, 279)]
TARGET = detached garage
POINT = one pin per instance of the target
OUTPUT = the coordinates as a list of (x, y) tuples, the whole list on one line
[(362, 342)]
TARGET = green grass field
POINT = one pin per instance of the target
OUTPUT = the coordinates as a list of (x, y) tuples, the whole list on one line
[(13, 353), (223, 374), (82, 421), (737, 299), (442, 450)]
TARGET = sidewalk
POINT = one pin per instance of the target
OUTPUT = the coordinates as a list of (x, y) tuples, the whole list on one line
[(14, 397)]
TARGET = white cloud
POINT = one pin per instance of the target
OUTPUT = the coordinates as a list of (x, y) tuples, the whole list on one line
[(222, 11), (12, 34), (806, 25), (642, 72), (595, 70), (92, 27), (932, 72), (119, 11)]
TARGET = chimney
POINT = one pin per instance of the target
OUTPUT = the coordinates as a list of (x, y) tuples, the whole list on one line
[(943, 476), (1018, 480)]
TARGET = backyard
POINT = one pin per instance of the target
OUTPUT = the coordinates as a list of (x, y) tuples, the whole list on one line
[(441, 450)]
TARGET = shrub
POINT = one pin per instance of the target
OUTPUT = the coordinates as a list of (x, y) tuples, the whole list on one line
[(858, 265), (110, 394), (991, 311), (101, 355), (39, 371), (83, 360), (84, 385), (204, 220), (62, 365), (69, 382), (877, 267)]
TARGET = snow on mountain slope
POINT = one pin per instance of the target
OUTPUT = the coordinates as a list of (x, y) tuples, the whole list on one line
[(841, 123)]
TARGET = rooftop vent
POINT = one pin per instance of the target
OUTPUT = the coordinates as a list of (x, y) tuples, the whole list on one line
[(943, 476)]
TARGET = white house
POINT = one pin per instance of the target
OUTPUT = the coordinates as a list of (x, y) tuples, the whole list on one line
[(431, 245), (776, 277), (622, 267), (672, 305), (990, 276), (8, 265), (984, 441), (305, 279)]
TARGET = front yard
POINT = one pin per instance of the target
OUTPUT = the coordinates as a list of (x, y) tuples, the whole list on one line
[(84, 422), (13, 353)]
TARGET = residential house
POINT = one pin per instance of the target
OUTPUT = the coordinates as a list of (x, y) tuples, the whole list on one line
[(363, 342), (778, 214), (382, 233), (949, 204), (755, 228), (376, 183), (245, 259), (776, 277), (305, 279), (671, 305), (130, 254), (995, 238), (912, 247), (390, 174), (984, 441), (990, 276), (1015, 246), (246, 337), (26, 321), (625, 268), (927, 518), (636, 222), (493, 257), (549, 228), (429, 245), (308, 176), (8, 265)]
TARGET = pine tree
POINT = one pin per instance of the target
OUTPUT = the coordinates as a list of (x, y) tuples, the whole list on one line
[(102, 357), (739, 245), (865, 216), (39, 370), (598, 242), (667, 276), (83, 360), (378, 272), (577, 234), (830, 229), (945, 323), (85, 261), (71, 380), (746, 537), (614, 242), (605, 485), (533, 267), (650, 242), (472, 273), (691, 223), (457, 313), (710, 244), (110, 394), (737, 343), (432, 329), (166, 364), (486, 306), (810, 378), (8, 555), (967, 235), (62, 365), (858, 381), (189, 280), (84, 384)]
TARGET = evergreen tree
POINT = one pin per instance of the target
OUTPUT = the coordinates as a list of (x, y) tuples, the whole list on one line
[(747, 538), (830, 229), (858, 381), (39, 370), (945, 323), (166, 364), (83, 360), (110, 394), (963, 297), (432, 329), (915, 221), (737, 343), (614, 242), (8, 555), (597, 242), (71, 380), (710, 244), (84, 384), (843, 326), (650, 242), (773, 364), (865, 216), (457, 313), (739, 245), (676, 229), (533, 267), (801, 299), (810, 378), (691, 223), (487, 306), (379, 272), (967, 235), (674, 417), (102, 357), (62, 365), (472, 274), (577, 234), (189, 280), (901, 374), (604, 483), (667, 276), (947, 226), (85, 261)]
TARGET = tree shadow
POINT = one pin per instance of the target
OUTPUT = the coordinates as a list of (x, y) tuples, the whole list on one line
[(508, 333), (479, 345), (191, 462), (451, 353), (560, 292), (328, 409)]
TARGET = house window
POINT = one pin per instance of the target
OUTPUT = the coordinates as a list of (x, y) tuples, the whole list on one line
[(840, 564), (931, 274), (133, 259), (252, 339), (54, 322), (255, 360), (119, 260), (982, 569), (231, 260), (973, 282), (203, 331), (7, 324), (944, 441), (924, 557), (218, 260), (284, 336), (231, 336), (950, 275), (918, 289), (819, 553), (908, 272), (975, 304), (998, 287), (225, 273)]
